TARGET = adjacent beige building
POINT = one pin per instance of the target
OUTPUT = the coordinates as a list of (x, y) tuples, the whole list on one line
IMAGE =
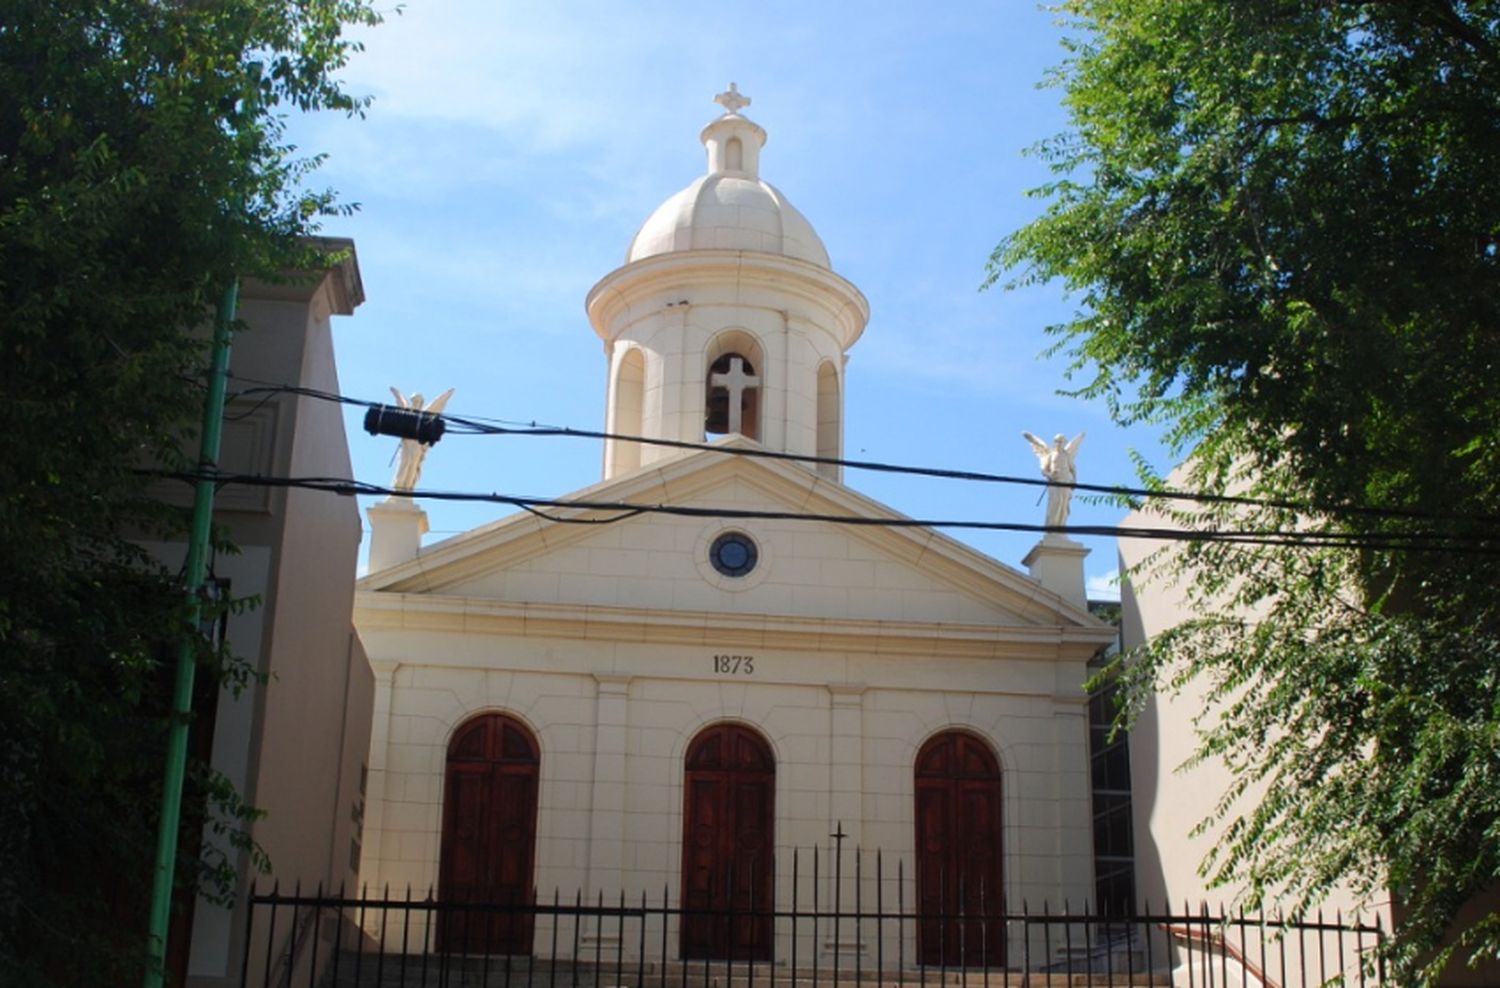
[(589, 698), (1171, 799), (294, 740)]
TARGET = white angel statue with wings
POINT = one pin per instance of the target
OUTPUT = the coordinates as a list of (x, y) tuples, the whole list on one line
[(1059, 463), (412, 453)]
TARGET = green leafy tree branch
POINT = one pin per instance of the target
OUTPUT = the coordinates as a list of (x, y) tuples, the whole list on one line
[(143, 164), (1281, 224)]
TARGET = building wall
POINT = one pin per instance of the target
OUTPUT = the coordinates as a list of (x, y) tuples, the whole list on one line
[(313, 659), (1170, 800), (657, 560), (294, 740), (845, 730)]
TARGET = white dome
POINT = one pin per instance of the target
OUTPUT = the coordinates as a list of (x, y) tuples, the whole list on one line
[(725, 211), (730, 208)]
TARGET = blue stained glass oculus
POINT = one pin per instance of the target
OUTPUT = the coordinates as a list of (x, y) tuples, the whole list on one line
[(733, 554)]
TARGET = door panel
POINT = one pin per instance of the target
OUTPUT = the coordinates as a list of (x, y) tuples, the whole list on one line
[(489, 836), (727, 844), (958, 849)]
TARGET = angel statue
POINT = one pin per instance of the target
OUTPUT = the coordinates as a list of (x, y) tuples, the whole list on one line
[(1059, 464), (412, 453)]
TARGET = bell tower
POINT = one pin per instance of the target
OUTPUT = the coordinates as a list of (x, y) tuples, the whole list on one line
[(726, 317)]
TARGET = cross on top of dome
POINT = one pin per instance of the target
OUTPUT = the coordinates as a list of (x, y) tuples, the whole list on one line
[(731, 99)]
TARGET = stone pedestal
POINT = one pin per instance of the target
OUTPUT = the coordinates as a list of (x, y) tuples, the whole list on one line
[(1056, 563), (396, 529)]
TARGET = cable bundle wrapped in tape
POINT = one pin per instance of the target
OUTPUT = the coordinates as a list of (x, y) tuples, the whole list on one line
[(405, 423)]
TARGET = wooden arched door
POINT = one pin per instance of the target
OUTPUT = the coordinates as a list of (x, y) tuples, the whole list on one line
[(489, 835), (727, 844), (959, 881)]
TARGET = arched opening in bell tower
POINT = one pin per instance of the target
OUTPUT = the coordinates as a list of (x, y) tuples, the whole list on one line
[(830, 428), (629, 408), (732, 386)]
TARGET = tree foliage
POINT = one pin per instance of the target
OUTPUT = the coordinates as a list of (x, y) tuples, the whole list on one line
[(1281, 220), (143, 164)]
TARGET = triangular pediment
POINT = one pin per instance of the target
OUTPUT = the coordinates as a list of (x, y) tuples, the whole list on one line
[(660, 562)]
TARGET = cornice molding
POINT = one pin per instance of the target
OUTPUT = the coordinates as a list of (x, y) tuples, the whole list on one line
[(388, 611), (629, 292)]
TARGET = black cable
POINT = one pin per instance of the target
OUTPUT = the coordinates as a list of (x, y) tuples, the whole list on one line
[(460, 425), (267, 395), (1407, 541), (529, 509)]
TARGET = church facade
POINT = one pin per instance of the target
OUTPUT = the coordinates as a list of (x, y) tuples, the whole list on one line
[(670, 703)]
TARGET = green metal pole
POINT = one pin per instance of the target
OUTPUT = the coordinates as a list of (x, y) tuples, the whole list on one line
[(182, 700)]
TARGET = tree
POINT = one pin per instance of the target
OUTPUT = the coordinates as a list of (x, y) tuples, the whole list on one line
[(143, 165), (1281, 220)]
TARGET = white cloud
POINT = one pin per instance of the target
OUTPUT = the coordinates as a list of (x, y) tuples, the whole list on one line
[(1103, 586), (501, 65), (550, 77)]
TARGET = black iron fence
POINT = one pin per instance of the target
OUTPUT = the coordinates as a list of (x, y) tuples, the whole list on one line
[(834, 936)]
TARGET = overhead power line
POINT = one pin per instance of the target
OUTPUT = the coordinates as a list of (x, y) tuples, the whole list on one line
[(462, 425), (621, 510)]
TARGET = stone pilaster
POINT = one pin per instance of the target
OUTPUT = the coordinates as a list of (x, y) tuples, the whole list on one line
[(846, 787), (373, 847), (607, 806)]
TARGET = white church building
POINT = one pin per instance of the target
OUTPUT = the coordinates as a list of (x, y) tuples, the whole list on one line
[(671, 703)]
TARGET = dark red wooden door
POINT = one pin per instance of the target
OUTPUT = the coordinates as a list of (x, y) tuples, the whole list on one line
[(489, 836), (958, 852), (727, 841)]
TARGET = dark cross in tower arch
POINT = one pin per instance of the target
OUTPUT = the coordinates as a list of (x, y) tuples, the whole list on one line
[(735, 383)]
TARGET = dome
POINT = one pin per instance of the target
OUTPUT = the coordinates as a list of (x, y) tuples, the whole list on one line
[(728, 212), (730, 208)]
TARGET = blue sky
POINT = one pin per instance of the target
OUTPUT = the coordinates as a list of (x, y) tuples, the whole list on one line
[(513, 149)]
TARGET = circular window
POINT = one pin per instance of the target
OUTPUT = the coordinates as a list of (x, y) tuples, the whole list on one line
[(733, 554)]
